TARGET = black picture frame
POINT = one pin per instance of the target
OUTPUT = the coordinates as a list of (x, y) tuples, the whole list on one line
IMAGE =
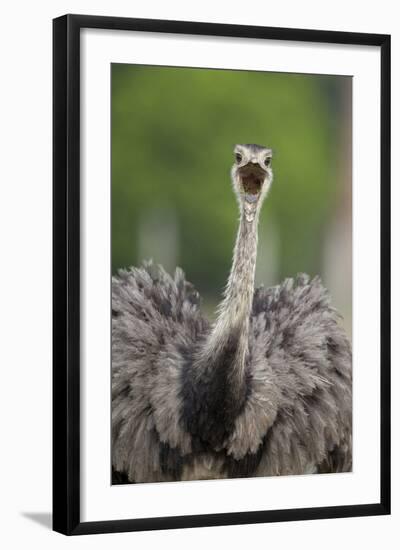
[(66, 273)]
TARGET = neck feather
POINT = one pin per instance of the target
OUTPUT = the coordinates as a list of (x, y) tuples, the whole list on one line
[(232, 326), (218, 377)]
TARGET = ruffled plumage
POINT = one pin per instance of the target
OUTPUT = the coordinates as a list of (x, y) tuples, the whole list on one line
[(297, 414)]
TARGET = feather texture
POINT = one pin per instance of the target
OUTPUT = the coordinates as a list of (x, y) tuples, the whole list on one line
[(264, 391), (296, 414)]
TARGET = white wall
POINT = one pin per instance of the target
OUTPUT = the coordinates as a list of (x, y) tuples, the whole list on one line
[(25, 301)]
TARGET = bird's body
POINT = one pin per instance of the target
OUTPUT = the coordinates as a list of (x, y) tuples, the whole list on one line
[(265, 390)]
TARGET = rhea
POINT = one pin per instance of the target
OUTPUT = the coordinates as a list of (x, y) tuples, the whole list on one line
[(264, 390)]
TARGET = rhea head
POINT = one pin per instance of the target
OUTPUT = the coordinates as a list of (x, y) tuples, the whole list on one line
[(251, 177)]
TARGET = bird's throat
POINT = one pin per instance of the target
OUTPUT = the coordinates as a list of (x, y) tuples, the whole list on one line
[(235, 309), (220, 363)]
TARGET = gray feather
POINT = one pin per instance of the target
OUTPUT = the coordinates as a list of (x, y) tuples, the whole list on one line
[(298, 405), (266, 390)]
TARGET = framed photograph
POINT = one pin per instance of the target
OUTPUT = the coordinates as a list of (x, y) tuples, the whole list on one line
[(221, 274)]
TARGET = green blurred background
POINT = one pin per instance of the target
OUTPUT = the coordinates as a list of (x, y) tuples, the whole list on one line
[(173, 132)]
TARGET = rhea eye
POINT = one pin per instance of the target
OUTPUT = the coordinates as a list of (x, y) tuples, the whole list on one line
[(267, 161), (238, 157)]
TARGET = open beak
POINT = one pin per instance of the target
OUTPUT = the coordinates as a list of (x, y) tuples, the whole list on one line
[(252, 177)]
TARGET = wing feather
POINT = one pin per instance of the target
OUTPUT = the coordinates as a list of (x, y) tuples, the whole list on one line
[(154, 317), (299, 405)]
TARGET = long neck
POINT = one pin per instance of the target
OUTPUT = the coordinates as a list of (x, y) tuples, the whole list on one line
[(231, 330), (217, 383)]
